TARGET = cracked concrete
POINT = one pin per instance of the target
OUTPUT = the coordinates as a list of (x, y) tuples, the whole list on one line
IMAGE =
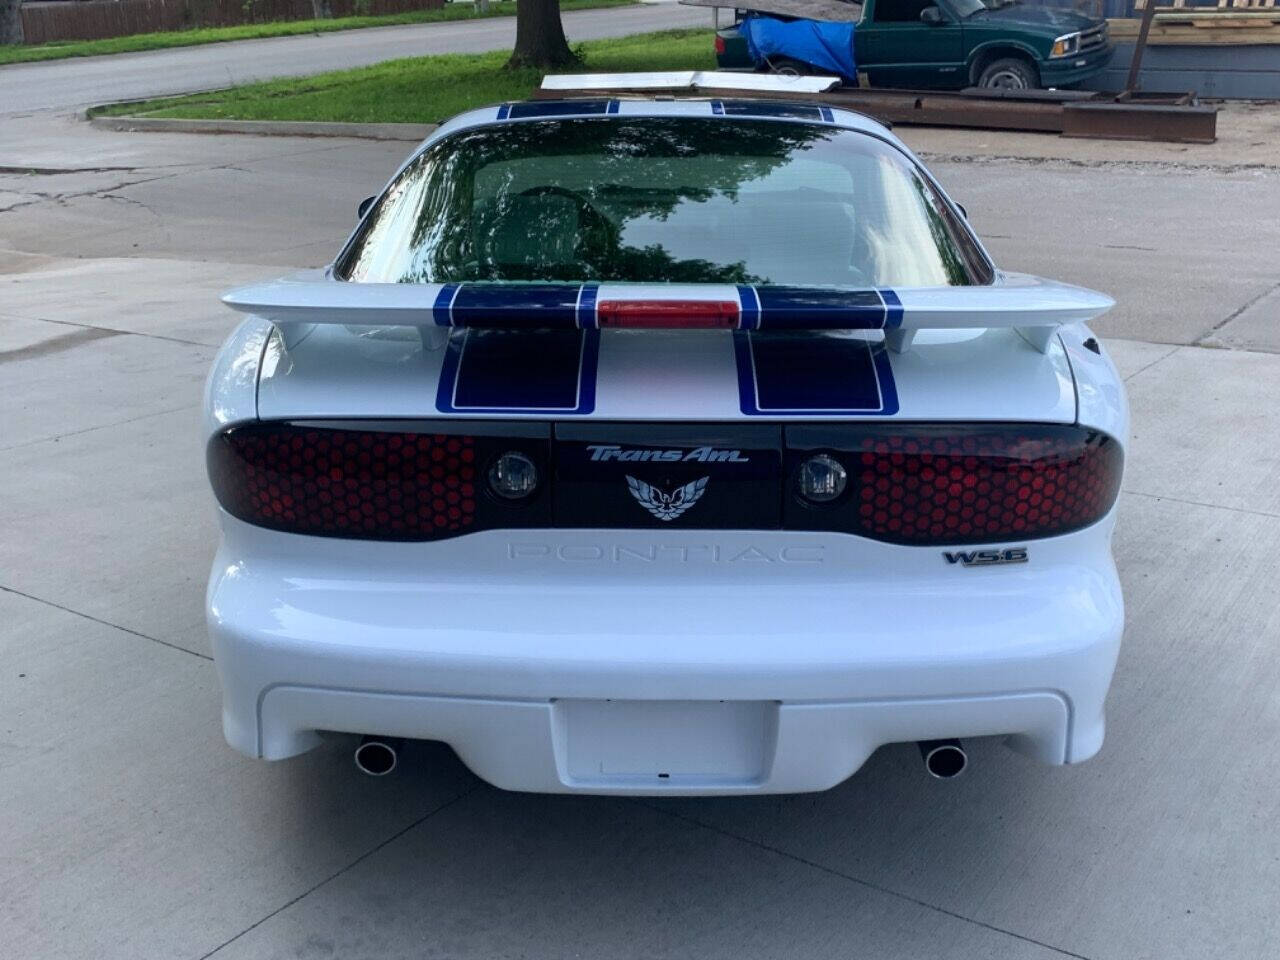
[(1253, 326), (62, 171), (130, 829), (56, 344)]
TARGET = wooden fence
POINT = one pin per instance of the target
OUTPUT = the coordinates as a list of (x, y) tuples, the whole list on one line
[(96, 19)]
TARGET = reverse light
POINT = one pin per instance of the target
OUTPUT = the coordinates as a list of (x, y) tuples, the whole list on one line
[(822, 479), (513, 476), (668, 314)]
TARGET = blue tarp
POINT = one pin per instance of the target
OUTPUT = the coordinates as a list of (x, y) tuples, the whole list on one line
[(827, 46)]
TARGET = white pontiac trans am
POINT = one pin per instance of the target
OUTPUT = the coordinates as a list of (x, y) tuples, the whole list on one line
[(684, 447)]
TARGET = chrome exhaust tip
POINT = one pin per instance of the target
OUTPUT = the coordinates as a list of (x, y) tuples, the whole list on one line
[(943, 759), (377, 756)]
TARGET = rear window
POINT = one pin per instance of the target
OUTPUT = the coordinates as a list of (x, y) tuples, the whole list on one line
[(663, 200)]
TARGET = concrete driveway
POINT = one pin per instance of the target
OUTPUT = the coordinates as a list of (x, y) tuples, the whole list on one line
[(130, 830)]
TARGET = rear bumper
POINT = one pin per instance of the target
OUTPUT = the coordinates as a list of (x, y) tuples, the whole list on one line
[(572, 674)]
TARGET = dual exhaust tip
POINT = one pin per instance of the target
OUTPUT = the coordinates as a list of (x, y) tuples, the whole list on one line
[(944, 759)]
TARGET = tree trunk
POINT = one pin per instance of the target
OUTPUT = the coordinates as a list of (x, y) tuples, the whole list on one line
[(11, 21), (540, 38), (320, 8)]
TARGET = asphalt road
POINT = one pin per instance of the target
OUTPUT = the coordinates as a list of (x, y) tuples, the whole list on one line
[(82, 82), (130, 829)]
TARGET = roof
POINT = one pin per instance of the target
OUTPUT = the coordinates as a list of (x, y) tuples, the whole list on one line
[(641, 106)]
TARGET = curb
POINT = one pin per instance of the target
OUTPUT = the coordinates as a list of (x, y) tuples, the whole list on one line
[(266, 128)]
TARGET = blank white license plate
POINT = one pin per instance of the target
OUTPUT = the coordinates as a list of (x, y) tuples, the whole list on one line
[(666, 742)]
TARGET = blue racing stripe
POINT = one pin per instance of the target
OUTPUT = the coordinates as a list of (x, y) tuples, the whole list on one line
[(556, 108), (794, 111), (519, 371), (586, 312), (799, 375), (808, 308), (553, 305), (750, 311), (444, 300), (504, 111), (827, 115), (612, 107), (892, 309), (717, 108)]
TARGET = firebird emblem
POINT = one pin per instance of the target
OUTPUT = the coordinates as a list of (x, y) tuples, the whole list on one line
[(667, 506)]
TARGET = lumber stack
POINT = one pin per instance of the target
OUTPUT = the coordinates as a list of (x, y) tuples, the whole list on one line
[(1206, 26)]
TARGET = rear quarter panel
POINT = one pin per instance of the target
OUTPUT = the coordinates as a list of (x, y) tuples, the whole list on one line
[(231, 391), (1101, 401)]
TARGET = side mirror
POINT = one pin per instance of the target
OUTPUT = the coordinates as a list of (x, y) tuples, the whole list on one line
[(365, 204), (931, 16), (963, 212)]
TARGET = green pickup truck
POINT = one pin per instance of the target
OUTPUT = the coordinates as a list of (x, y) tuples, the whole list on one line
[(951, 44)]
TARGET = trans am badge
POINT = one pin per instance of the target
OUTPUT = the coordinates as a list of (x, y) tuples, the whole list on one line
[(667, 506)]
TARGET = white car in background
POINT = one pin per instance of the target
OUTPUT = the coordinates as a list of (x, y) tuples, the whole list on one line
[(633, 446)]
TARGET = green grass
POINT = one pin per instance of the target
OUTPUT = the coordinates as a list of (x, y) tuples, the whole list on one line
[(252, 31), (423, 89)]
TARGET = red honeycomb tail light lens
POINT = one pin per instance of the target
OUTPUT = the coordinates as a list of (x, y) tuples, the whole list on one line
[(979, 483), (371, 484), (911, 484)]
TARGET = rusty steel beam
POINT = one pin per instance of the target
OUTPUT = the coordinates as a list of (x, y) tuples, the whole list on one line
[(922, 108), (1135, 120)]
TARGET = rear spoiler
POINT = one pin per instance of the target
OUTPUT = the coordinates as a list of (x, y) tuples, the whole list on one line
[(1035, 308)]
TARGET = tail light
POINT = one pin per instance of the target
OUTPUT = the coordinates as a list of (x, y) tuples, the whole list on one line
[(367, 483), (913, 484), (980, 483), (719, 44), (669, 314)]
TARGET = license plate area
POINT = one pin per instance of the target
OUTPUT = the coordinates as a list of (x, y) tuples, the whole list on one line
[(659, 744)]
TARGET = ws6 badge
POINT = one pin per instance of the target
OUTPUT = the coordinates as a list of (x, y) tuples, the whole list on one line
[(985, 558), (666, 506)]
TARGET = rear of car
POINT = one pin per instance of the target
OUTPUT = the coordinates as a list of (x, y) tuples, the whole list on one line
[(665, 447)]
